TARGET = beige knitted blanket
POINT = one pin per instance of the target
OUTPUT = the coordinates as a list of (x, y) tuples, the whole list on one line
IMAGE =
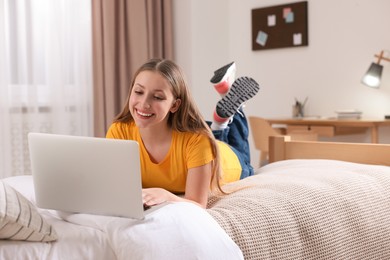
[(309, 209)]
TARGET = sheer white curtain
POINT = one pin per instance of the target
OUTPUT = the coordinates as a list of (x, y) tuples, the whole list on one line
[(45, 74)]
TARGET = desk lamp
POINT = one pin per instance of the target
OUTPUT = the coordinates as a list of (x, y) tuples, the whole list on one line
[(373, 76)]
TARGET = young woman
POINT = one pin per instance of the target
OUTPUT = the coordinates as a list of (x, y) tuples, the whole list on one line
[(181, 160)]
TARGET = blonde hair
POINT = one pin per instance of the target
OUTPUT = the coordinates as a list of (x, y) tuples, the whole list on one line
[(187, 118)]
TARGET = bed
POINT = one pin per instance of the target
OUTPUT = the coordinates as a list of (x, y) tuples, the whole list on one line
[(313, 200)]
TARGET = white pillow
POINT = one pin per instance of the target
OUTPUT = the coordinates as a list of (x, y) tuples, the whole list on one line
[(180, 230), (20, 219)]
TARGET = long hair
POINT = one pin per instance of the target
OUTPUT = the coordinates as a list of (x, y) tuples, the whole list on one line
[(187, 118)]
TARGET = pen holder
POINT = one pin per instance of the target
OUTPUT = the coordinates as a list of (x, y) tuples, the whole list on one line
[(297, 110)]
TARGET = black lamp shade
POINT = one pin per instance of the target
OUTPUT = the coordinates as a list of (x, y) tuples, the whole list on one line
[(373, 76)]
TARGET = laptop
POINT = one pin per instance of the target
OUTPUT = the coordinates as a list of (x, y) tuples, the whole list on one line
[(87, 175)]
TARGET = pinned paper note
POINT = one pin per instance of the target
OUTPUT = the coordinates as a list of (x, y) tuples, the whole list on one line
[(271, 20), (290, 18), (286, 11), (288, 15), (261, 38), (297, 39)]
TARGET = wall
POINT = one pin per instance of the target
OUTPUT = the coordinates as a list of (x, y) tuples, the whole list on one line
[(343, 37)]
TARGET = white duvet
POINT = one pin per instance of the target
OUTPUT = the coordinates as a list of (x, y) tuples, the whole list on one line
[(175, 231)]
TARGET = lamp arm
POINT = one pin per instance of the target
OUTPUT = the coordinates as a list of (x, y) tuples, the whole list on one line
[(381, 57)]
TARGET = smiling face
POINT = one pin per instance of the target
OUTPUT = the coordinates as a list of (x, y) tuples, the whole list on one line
[(152, 100)]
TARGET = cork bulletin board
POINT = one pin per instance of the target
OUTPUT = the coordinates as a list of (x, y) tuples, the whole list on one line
[(280, 26)]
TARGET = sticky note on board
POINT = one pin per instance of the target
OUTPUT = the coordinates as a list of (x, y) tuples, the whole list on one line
[(297, 39), (271, 20), (286, 11), (290, 17), (262, 38)]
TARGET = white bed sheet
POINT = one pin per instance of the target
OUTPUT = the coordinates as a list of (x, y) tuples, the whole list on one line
[(175, 231)]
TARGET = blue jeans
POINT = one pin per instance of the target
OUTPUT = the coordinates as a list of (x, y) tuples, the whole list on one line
[(236, 136)]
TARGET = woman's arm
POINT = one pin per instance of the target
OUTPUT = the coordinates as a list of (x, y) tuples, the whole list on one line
[(198, 184), (197, 189)]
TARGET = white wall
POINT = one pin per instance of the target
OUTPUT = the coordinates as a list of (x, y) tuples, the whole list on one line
[(343, 37)]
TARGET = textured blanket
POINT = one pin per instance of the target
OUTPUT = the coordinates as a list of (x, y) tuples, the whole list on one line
[(309, 209)]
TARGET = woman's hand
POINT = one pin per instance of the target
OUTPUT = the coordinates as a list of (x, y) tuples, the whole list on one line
[(154, 196), (197, 189)]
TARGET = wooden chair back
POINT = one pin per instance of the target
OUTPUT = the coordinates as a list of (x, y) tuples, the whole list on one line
[(261, 131)]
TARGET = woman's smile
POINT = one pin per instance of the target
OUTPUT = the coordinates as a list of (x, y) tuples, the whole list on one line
[(143, 114)]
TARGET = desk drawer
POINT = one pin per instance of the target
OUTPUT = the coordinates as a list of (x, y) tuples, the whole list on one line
[(320, 130)]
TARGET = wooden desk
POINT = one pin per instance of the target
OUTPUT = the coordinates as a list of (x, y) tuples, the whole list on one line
[(332, 126)]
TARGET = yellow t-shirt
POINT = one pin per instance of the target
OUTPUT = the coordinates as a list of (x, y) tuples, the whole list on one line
[(188, 150)]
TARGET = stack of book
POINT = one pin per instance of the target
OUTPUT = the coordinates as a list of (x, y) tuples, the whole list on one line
[(351, 113)]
